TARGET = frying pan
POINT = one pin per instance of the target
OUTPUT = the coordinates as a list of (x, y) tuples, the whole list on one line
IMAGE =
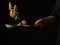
[(15, 27)]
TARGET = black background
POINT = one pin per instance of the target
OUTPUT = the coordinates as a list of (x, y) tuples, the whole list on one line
[(31, 10)]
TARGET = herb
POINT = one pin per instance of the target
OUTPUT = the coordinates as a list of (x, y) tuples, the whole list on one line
[(17, 17)]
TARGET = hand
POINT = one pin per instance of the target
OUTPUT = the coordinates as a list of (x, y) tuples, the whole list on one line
[(43, 21), (40, 23), (50, 19)]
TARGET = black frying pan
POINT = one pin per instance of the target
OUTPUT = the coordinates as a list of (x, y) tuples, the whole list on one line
[(15, 27)]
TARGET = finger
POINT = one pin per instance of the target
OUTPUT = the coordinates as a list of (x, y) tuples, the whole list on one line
[(38, 21)]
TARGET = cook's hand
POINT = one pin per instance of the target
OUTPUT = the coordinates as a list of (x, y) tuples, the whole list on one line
[(40, 23), (43, 21)]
